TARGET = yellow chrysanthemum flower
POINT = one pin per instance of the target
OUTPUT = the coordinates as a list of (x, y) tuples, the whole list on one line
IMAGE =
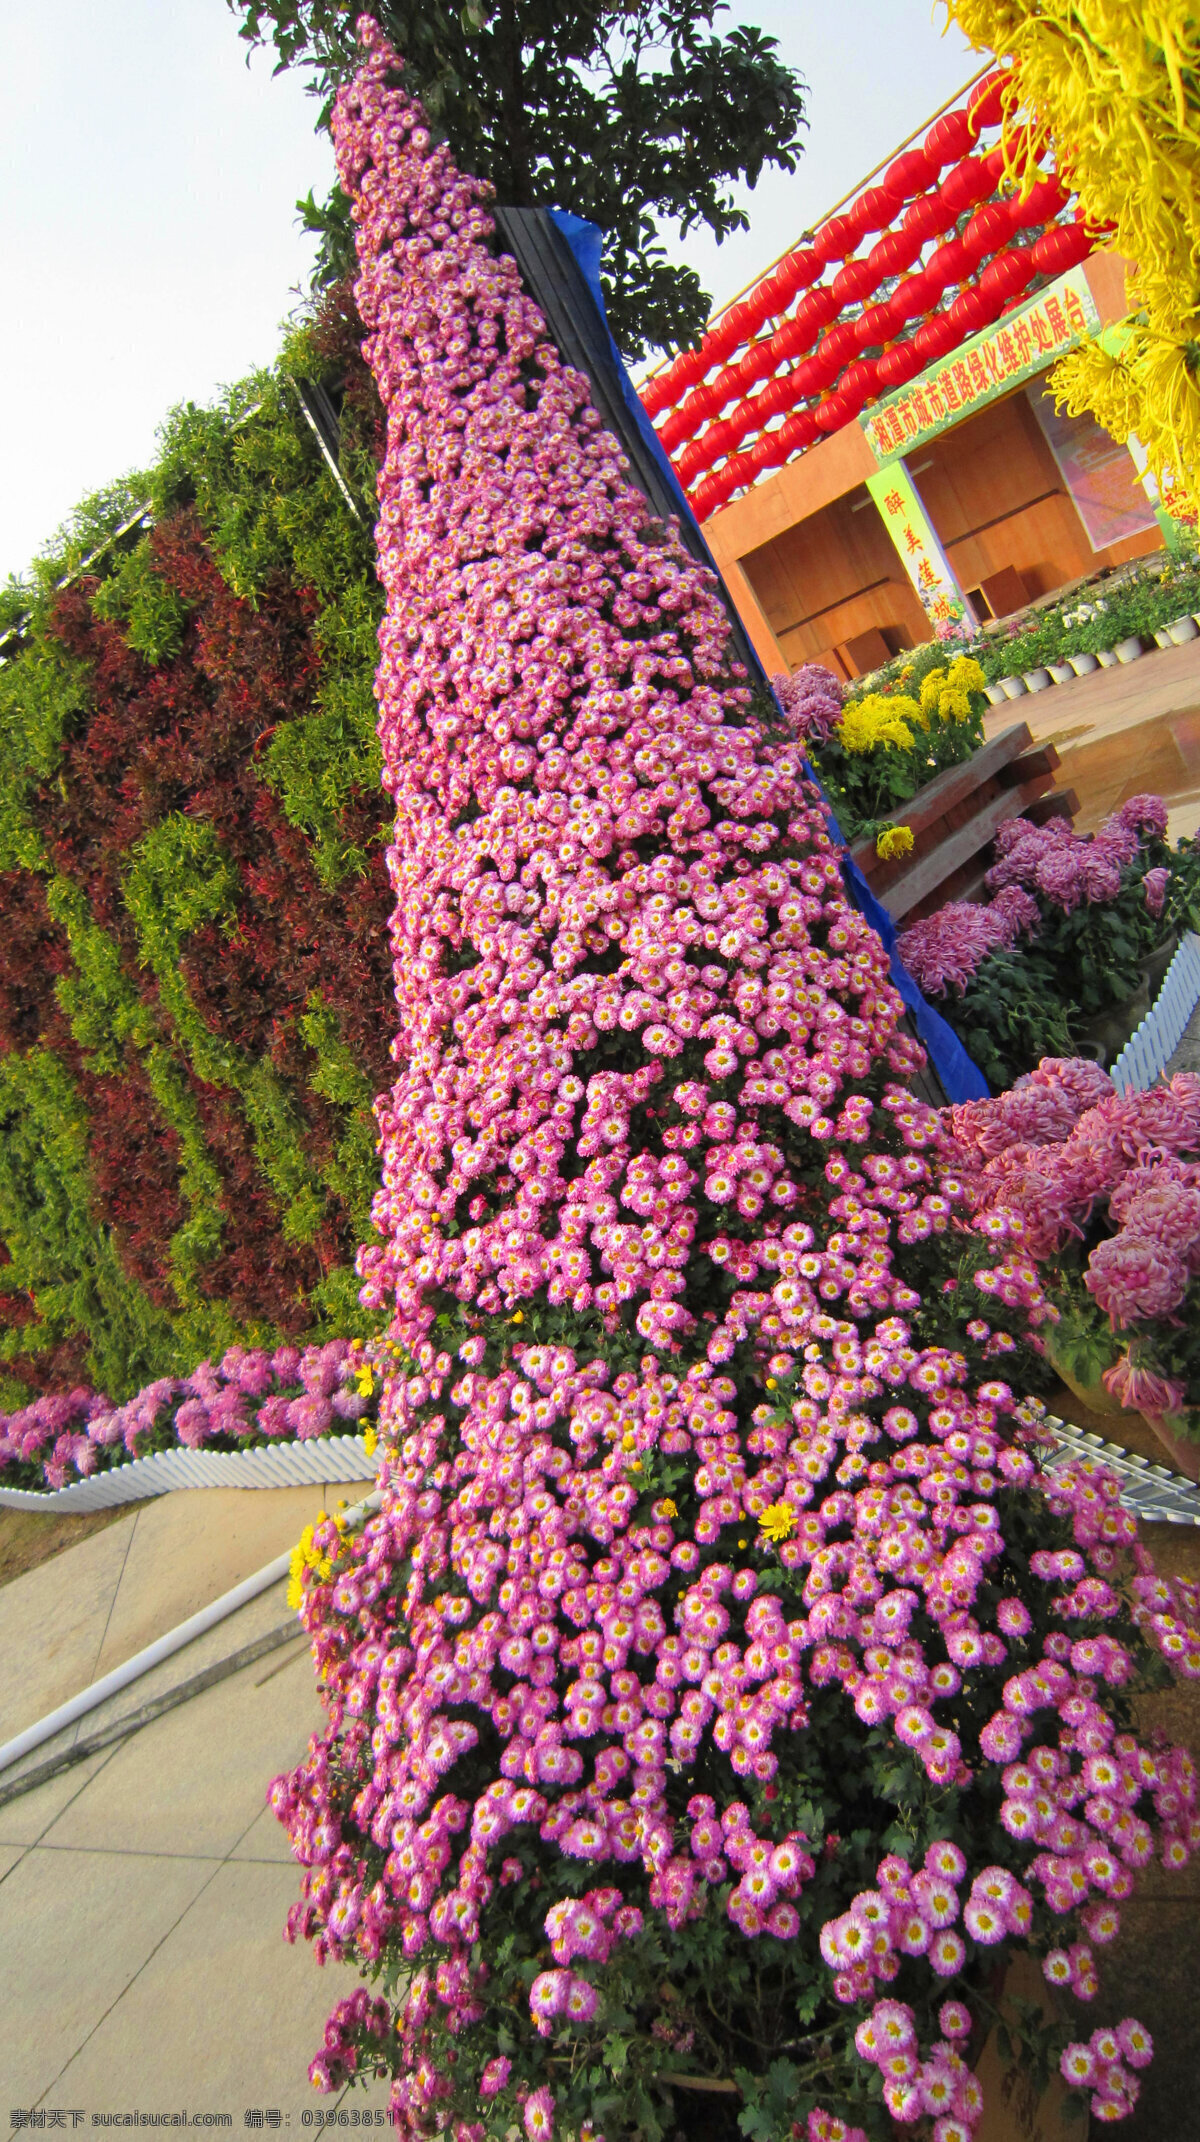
[(305, 1555), (872, 721), (965, 674), (893, 841), (370, 1439), (932, 686), (954, 706), (1115, 86), (778, 1522)]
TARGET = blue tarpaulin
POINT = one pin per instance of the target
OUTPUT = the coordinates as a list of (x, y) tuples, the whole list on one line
[(961, 1078)]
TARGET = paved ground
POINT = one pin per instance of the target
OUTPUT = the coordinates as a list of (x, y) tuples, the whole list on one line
[(1120, 732), (143, 1893)]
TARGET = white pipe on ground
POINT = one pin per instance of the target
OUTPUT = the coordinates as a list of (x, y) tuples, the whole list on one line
[(162, 1648)]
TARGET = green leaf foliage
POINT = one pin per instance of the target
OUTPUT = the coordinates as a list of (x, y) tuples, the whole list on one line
[(194, 967), (633, 117)]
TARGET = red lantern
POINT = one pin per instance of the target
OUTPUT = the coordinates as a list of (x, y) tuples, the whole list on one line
[(966, 184), (1063, 246), (1008, 273), (726, 385), (835, 239), (911, 298), (706, 497), (691, 462), (897, 366), (776, 292), (1045, 200), (948, 264), (855, 217), (853, 281), (948, 138), (796, 272), (739, 472), (908, 175), (668, 388), (822, 368), (798, 432), (792, 339), (810, 376), (777, 396), (817, 310), (878, 207), (925, 217), (968, 313), (1028, 144), (859, 380), (723, 339), (839, 343), (934, 337), (895, 252), (834, 411), (759, 361), (989, 228), (761, 455), (673, 430), (875, 325), (985, 105), (720, 439)]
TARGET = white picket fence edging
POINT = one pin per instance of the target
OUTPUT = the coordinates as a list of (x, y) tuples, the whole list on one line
[(275, 1465), (1146, 1054)]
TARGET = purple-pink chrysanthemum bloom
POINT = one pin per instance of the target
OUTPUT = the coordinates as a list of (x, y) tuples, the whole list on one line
[(1154, 886), (1133, 1278)]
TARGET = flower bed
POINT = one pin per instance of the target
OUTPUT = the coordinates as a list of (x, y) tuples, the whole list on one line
[(875, 752), (1104, 1191), (923, 757), (1135, 603), (245, 1400), (1061, 948), (695, 1696)]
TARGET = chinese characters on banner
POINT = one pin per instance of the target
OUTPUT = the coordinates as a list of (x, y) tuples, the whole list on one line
[(1023, 343), (1173, 509), (915, 539)]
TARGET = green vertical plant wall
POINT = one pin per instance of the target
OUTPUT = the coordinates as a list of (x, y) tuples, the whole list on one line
[(193, 894)]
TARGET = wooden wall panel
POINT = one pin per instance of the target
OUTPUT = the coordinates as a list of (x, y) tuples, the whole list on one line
[(996, 496), (831, 577)]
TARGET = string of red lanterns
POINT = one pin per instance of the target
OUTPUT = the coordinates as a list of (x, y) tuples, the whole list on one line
[(709, 409)]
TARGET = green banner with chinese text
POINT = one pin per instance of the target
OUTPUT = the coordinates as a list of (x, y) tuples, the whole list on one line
[(1015, 349)]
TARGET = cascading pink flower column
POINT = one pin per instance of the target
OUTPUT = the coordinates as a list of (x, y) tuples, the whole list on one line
[(647, 1164)]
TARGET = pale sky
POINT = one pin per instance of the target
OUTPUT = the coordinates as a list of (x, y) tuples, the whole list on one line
[(149, 246)]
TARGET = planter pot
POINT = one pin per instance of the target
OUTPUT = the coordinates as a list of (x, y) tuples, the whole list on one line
[(1162, 637), (1095, 1396), (1184, 628), (1129, 650), (1012, 687), (1155, 964), (1061, 672), (1082, 664), (1172, 1430), (1107, 659), (1111, 1029), (994, 694), (1036, 680)]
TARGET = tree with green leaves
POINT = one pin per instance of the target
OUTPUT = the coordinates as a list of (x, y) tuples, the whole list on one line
[(633, 115)]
